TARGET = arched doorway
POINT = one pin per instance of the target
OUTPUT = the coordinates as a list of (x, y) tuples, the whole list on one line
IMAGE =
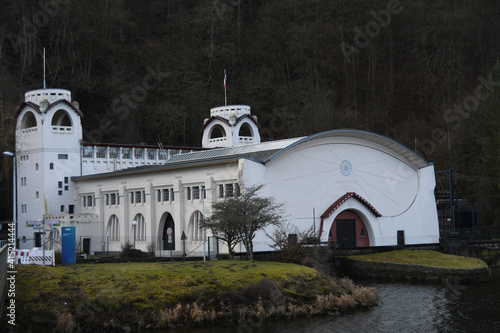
[(348, 230), (169, 226)]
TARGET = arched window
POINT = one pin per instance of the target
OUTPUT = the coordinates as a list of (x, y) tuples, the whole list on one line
[(36, 167), (61, 118), (362, 233), (37, 195), (194, 230), (51, 166), (245, 130), (140, 231), (217, 132), (113, 229), (28, 120)]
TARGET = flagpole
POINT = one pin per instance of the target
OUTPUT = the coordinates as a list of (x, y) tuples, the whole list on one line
[(225, 94)]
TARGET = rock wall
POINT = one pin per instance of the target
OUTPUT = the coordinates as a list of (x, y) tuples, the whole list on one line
[(412, 273)]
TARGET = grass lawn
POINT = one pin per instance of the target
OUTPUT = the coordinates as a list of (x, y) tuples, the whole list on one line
[(150, 284), (85, 296), (423, 258)]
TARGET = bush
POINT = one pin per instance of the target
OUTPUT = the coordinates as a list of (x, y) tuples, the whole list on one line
[(128, 251)]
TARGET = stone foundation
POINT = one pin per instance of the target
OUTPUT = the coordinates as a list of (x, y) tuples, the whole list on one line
[(413, 273)]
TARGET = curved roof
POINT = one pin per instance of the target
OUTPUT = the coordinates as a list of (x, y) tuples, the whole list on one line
[(37, 108), (398, 150), (226, 121)]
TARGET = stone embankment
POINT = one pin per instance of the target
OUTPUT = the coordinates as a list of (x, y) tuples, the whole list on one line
[(413, 273)]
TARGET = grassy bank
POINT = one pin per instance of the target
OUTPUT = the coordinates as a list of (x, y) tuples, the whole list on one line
[(158, 295), (423, 258)]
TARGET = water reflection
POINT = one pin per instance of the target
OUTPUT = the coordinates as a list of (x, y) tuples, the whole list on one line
[(405, 308)]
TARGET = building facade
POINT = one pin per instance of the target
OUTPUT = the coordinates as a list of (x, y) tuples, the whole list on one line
[(351, 187)]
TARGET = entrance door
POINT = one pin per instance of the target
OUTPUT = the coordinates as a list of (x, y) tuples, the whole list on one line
[(86, 246), (38, 239), (346, 233), (169, 240)]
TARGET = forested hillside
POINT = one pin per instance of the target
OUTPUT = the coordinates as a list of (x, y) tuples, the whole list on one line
[(150, 70)]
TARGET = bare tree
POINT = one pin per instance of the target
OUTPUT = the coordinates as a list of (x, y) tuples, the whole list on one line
[(238, 219)]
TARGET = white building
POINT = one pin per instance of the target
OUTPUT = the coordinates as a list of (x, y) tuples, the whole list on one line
[(365, 189)]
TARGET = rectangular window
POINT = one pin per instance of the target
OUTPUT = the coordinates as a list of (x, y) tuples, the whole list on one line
[(112, 198), (138, 196), (188, 193), (139, 153), (172, 194), (132, 197), (151, 154), (66, 188), (24, 209), (107, 199), (59, 185), (62, 156), (144, 196), (229, 190), (166, 193), (221, 191), (237, 191), (84, 199), (100, 152), (60, 192), (196, 192), (88, 151), (66, 180), (162, 154), (203, 191), (89, 201), (126, 153), (114, 152)]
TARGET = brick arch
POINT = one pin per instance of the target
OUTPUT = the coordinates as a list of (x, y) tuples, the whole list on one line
[(361, 234), (330, 210)]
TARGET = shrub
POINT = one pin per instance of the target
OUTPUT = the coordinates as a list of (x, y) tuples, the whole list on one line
[(128, 251)]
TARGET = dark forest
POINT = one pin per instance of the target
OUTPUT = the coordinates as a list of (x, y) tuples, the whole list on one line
[(424, 73)]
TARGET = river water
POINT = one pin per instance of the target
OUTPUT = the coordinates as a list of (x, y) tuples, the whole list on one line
[(403, 308)]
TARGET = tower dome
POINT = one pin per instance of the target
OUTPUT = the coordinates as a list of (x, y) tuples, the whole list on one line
[(230, 126)]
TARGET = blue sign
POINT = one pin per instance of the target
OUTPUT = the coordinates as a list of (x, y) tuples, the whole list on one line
[(68, 245)]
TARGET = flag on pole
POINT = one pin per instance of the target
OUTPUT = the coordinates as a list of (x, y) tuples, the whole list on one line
[(225, 94)]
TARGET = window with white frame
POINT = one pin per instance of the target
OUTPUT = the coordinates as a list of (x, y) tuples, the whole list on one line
[(114, 152), (113, 199), (194, 230), (138, 197), (139, 153), (151, 154), (88, 151), (126, 153), (88, 201), (140, 231), (229, 190), (100, 152), (113, 229), (196, 192)]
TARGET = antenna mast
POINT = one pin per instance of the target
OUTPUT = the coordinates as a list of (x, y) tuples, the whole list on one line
[(44, 85)]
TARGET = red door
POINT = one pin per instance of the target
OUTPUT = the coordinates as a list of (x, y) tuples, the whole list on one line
[(349, 230)]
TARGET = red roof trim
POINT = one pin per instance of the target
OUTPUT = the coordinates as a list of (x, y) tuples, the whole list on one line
[(342, 200), (227, 121), (37, 108)]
